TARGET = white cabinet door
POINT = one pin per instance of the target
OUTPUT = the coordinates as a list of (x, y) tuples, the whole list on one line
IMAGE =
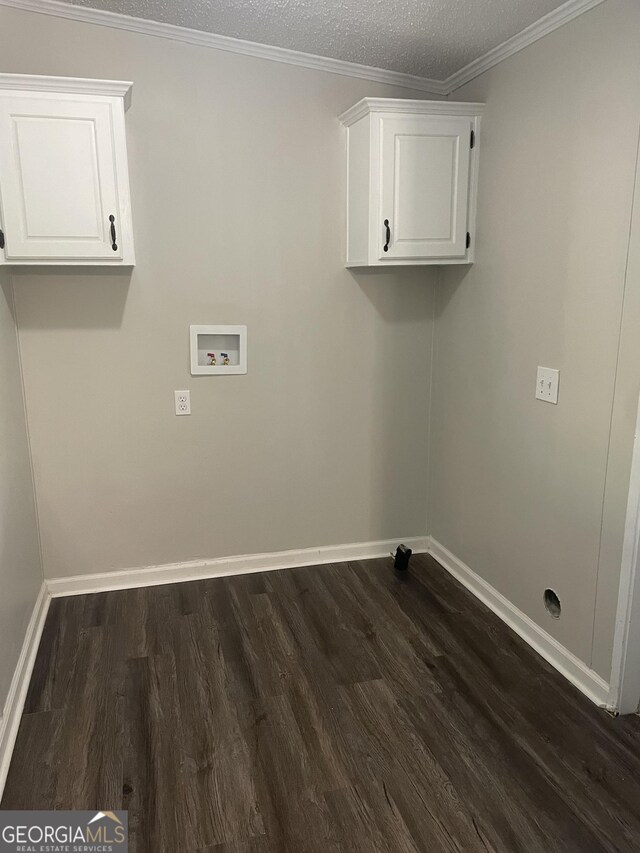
[(58, 179), (424, 187)]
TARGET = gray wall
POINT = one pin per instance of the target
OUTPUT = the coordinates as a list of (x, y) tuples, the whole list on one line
[(238, 177), (237, 170), (518, 486), (20, 569)]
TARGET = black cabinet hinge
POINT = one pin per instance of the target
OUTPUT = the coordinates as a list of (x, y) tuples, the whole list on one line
[(1, 239), (468, 239), (473, 139)]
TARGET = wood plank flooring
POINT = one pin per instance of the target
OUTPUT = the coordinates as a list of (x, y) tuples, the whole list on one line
[(338, 709)]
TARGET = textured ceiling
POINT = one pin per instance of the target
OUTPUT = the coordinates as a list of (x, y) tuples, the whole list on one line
[(429, 38)]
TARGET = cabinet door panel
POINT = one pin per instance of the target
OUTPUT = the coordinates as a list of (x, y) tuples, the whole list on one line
[(58, 179), (424, 186)]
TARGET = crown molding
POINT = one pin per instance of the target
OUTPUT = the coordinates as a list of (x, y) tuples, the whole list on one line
[(553, 21), (562, 15), (72, 85), (226, 43), (402, 105)]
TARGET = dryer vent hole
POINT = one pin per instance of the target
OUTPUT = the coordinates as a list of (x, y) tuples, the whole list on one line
[(552, 603)]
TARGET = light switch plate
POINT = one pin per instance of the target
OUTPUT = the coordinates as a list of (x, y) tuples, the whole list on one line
[(547, 383)]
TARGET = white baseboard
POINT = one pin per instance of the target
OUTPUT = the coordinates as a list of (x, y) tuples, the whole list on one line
[(246, 564), (10, 721), (573, 669)]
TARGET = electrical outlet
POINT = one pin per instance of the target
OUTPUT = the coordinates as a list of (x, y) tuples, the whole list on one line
[(547, 383), (183, 402)]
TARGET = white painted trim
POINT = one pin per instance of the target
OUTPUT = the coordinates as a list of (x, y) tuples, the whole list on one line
[(224, 566), (230, 45), (404, 106), (573, 669), (625, 665), (577, 672), (12, 712), (565, 13), (625, 659), (545, 25), (70, 85)]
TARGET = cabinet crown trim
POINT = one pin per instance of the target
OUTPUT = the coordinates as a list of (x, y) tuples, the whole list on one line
[(72, 85), (414, 107)]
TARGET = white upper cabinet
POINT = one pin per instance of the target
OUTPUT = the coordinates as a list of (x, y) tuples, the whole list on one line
[(411, 183), (64, 181)]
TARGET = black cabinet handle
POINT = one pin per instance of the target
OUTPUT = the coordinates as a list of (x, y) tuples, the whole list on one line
[(1, 239), (386, 245), (114, 245)]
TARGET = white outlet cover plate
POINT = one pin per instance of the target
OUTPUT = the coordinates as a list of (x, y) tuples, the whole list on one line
[(547, 382), (183, 402)]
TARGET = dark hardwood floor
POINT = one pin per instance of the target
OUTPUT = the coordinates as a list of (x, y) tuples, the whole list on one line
[(336, 709)]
